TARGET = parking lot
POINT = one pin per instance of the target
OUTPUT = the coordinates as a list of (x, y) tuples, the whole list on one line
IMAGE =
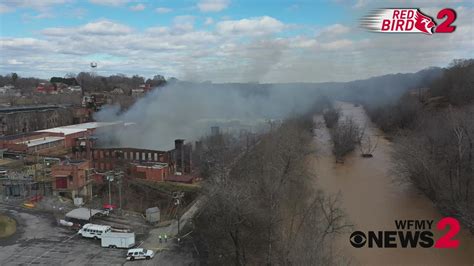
[(39, 241)]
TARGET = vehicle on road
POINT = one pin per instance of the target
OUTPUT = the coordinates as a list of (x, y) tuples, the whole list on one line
[(140, 254), (94, 230), (109, 207), (117, 240)]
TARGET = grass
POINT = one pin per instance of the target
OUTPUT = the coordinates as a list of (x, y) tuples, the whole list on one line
[(7, 226), (170, 186)]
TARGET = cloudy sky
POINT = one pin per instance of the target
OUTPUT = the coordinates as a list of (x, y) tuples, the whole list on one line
[(221, 40)]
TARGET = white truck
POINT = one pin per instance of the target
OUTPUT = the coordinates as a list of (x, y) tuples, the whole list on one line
[(117, 240)]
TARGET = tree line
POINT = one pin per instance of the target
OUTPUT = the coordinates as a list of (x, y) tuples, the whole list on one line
[(433, 134), (262, 206), (89, 81)]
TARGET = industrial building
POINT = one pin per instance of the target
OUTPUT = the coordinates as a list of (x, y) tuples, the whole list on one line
[(72, 179), (53, 139), (21, 120), (80, 162)]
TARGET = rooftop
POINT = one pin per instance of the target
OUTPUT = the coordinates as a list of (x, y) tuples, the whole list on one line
[(63, 130), (70, 162), (40, 141), (30, 108), (82, 213), (153, 165), (72, 129)]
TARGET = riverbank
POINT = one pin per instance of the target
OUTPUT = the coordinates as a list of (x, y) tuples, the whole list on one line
[(373, 199)]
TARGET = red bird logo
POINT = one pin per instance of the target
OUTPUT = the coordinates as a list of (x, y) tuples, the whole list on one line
[(424, 23)]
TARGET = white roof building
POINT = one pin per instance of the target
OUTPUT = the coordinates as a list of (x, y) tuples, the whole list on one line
[(72, 129), (41, 141)]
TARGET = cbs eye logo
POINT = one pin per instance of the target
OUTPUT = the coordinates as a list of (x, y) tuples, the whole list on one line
[(358, 239)]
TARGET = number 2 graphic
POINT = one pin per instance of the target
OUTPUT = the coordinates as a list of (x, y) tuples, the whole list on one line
[(445, 26), (446, 240)]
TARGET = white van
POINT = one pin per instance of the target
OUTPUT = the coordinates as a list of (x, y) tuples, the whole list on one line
[(94, 230)]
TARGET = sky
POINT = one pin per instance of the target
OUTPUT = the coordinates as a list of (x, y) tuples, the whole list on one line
[(221, 40)]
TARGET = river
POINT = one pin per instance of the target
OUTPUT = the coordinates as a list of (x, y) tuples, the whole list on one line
[(373, 199)]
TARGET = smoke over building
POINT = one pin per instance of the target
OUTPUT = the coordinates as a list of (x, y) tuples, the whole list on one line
[(187, 111)]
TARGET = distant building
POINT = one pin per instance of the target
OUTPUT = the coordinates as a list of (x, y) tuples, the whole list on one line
[(73, 89), (25, 119), (6, 89), (117, 91), (138, 92), (142, 89), (46, 88)]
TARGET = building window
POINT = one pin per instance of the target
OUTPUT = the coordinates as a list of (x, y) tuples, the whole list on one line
[(61, 182)]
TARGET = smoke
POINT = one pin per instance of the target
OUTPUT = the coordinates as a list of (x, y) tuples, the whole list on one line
[(262, 55), (187, 110)]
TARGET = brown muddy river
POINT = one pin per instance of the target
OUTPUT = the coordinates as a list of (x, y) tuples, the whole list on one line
[(373, 200)]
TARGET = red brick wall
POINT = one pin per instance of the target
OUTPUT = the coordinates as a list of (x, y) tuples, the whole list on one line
[(70, 140), (150, 173), (76, 171)]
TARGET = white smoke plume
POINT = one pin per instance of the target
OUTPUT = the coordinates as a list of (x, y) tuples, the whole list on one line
[(186, 110)]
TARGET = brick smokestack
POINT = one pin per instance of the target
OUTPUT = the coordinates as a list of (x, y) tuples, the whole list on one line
[(179, 155)]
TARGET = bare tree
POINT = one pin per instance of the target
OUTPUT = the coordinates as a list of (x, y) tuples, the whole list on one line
[(438, 159), (331, 116), (345, 137), (262, 209), (367, 144)]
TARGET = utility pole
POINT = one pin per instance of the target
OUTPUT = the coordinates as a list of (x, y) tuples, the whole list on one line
[(120, 177), (110, 178), (177, 214), (178, 198)]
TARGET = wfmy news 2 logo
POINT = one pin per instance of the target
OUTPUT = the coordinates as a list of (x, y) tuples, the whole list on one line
[(410, 234), (409, 20)]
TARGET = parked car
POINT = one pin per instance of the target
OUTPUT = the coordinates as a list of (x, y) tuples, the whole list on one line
[(117, 240), (109, 207), (140, 254)]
